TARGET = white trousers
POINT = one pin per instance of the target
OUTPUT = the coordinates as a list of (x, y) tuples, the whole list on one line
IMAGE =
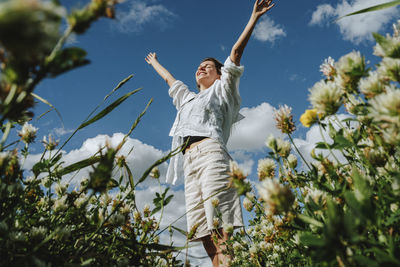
[(206, 168)]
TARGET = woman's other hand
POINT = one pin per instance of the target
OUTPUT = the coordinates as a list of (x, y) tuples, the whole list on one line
[(151, 58), (261, 7)]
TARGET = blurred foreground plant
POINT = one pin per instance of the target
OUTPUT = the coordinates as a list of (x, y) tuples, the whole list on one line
[(44, 221), (341, 209)]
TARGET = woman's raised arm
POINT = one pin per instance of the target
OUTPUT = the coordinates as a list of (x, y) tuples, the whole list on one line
[(259, 9), (152, 60)]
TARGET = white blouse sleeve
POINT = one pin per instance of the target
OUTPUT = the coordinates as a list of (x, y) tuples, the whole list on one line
[(180, 93), (230, 76)]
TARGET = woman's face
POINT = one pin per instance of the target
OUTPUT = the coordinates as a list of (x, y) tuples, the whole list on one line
[(206, 74)]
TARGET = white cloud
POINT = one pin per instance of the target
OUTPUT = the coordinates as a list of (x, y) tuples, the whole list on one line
[(267, 31), (250, 133), (355, 28), (139, 159), (62, 131), (141, 13)]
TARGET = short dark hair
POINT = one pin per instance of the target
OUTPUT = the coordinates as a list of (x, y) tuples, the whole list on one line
[(218, 64)]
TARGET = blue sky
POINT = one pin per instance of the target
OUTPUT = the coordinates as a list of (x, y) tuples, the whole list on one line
[(281, 63)]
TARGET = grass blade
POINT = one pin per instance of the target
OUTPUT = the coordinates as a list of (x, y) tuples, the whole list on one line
[(373, 8), (108, 109), (79, 165), (50, 105)]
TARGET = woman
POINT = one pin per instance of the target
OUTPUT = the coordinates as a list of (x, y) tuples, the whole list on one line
[(203, 122)]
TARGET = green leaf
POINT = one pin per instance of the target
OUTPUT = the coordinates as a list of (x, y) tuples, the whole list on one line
[(340, 142), (311, 240), (310, 220), (79, 165), (373, 8), (67, 59), (108, 109), (179, 230), (365, 261)]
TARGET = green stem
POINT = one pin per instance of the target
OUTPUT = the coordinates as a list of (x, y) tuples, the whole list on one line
[(298, 151)]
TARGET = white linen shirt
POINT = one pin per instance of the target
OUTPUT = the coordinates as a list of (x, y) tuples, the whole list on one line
[(209, 113)]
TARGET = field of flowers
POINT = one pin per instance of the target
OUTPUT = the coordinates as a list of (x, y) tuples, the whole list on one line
[(341, 209)]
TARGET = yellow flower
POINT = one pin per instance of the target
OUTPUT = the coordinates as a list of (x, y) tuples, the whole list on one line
[(309, 117)]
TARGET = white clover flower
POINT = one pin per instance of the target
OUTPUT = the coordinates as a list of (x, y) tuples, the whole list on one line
[(80, 201), (155, 173), (60, 189), (215, 222), (253, 249), (28, 133), (271, 142), (385, 110), (59, 204), (250, 196), (137, 216), (394, 207), (105, 200), (284, 119), (117, 219), (38, 232), (277, 198), (17, 236), (247, 204), (237, 246), (328, 67), (215, 202), (390, 69), (315, 195), (266, 168), (372, 85), (391, 45), (146, 210), (292, 160), (283, 147), (125, 209), (51, 144), (326, 97), (228, 228), (350, 62), (63, 233)]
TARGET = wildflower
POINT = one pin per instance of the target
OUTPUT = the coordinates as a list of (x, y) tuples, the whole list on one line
[(385, 111), (125, 209), (247, 204), (284, 119), (28, 133), (236, 172), (250, 196), (156, 239), (351, 68), (266, 169), (292, 160), (326, 97), (215, 202), (394, 207), (271, 142), (146, 210), (309, 117), (228, 228), (51, 144), (137, 216), (328, 68), (155, 173), (390, 69), (117, 219), (236, 246), (63, 233), (80, 201), (372, 85), (253, 250), (60, 189), (193, 231), (316, 195), (388, 46), (283, 147), (215, 222), (59, 204), (277, 198)]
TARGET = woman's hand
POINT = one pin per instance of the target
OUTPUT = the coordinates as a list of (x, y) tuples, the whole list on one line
[(261, 7), (151, 58)]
